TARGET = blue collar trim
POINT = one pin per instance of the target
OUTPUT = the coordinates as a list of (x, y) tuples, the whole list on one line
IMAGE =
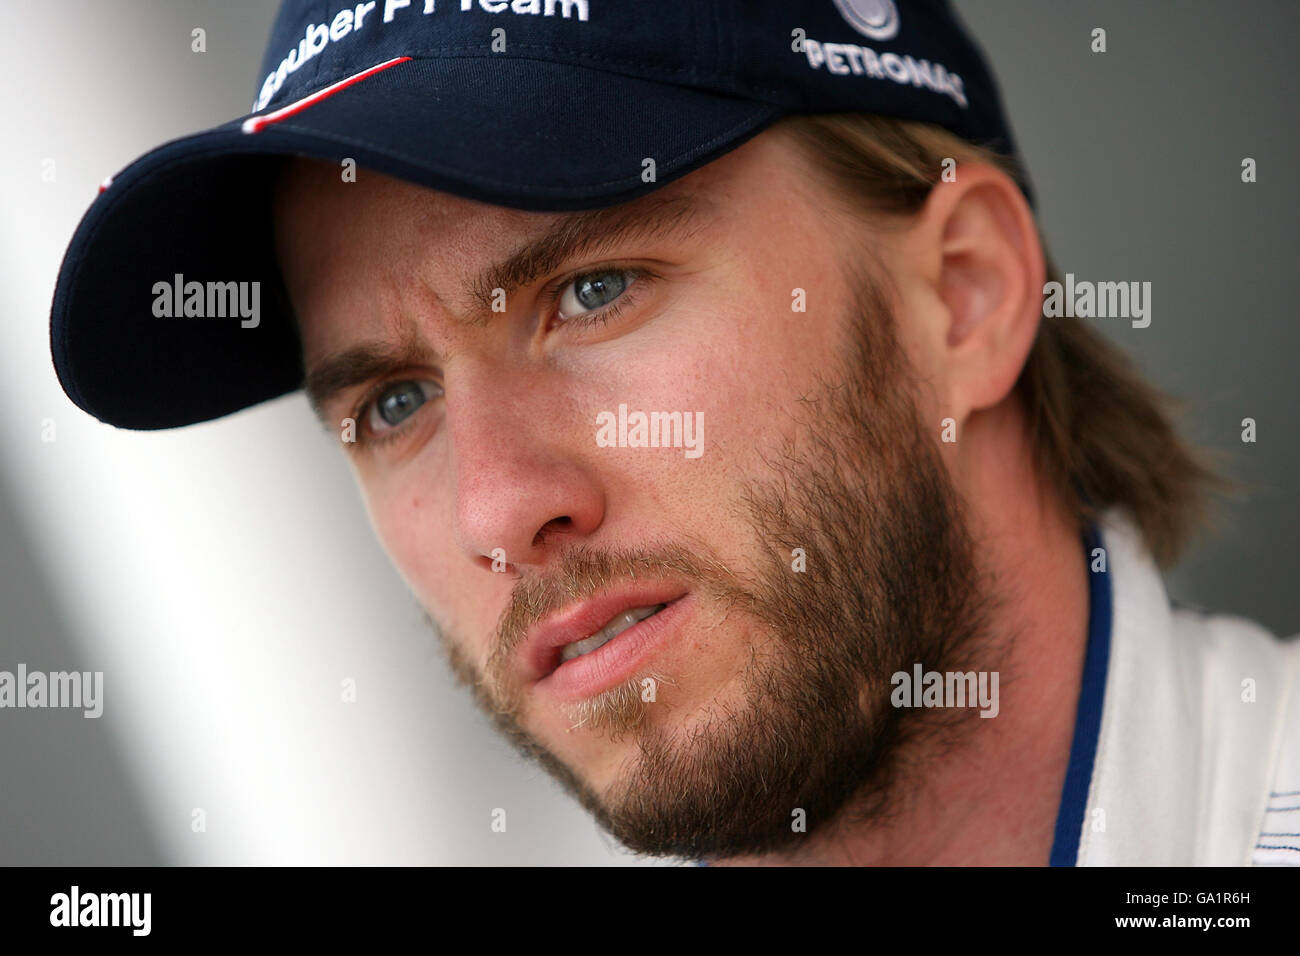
[(1087, 720)]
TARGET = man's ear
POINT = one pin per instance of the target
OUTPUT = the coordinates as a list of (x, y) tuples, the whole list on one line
[(981, 254)]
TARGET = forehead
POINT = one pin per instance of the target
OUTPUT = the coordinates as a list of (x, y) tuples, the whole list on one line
[(320, 217), (378, 248), (313, 203)]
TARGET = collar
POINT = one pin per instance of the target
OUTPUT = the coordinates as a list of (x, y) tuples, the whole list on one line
[(1170, 764)]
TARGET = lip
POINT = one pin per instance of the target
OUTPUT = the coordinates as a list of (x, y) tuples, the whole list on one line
[(613, 661)]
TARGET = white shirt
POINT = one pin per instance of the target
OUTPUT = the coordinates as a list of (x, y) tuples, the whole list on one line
[(1191, 749)]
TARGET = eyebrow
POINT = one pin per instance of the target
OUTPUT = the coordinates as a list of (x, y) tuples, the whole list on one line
[(369, 361), (576, 235), (585, 234)]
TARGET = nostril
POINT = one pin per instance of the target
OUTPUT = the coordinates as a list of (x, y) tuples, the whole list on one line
[(560, 525)]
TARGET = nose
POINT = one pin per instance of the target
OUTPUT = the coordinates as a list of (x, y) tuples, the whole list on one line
[(524, 482)]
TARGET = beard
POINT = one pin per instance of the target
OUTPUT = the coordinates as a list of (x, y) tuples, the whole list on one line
[(890, 581)]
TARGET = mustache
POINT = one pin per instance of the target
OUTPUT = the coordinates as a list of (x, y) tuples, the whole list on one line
[(583, 571)]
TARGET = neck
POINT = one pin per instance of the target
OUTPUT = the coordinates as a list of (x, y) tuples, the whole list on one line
[(991, 796)]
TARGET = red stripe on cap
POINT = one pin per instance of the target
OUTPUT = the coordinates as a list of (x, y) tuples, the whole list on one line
[(255, 124)]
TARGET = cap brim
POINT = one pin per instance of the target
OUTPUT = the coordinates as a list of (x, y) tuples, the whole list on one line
[(525, 134)]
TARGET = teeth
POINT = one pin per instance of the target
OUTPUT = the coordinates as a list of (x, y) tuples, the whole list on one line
[(619, 624)]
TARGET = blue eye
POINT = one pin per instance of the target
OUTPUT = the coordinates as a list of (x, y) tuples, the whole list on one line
[(593, 291), (398, 402)]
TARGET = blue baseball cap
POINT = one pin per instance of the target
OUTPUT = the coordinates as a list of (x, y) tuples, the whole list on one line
[(549, 105)]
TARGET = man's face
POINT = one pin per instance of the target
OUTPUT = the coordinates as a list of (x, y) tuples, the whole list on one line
[(799, 544)]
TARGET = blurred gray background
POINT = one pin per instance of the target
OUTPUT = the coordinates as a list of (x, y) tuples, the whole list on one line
[(223, 661)]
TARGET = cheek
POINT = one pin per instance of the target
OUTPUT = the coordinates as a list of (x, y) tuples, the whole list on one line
[(741, 365), (456, 593), (778, 343), (408, 527), (397, 516)]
